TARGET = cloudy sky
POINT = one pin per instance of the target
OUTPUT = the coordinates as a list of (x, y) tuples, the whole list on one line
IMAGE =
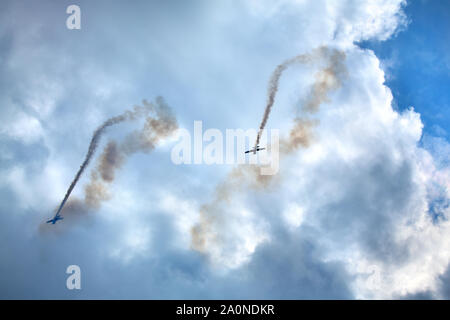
[(361, 213)]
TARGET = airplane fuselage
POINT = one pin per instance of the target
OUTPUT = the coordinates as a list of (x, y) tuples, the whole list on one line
[(55, 219), (257, 148)]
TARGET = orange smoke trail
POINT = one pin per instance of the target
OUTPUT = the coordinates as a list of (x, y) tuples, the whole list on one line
[(209, 231), (114, 155)]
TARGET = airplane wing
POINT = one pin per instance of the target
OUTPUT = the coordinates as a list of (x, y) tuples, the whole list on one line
[(254, 150), (55, 219)]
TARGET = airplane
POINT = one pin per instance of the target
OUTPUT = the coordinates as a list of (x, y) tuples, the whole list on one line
[(56, 218), (257, 148)]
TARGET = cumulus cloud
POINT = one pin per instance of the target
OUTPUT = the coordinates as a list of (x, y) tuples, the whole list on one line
[(23, 127), (366, 186), (361, 212), (347, 21)]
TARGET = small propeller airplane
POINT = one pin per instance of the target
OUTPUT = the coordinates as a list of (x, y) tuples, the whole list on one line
[(56, 218), (257, 148)]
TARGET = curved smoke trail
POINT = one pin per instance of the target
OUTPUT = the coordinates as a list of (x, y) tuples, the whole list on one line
[(210, 235), (275, 79), (273, 88), (127, 115)]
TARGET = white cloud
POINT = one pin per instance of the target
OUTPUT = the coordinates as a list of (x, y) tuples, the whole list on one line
[(132, 243), (346, 21), (359, 198), (371, 193), (23, 127), (293, 215), (185, 215), (366, 187)]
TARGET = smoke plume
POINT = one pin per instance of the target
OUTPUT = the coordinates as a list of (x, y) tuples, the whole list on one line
[(325, 80), (159, 124), (209, 232)]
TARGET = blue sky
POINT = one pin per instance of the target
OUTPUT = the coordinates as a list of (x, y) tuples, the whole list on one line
[(359, 213), (417, 63)]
